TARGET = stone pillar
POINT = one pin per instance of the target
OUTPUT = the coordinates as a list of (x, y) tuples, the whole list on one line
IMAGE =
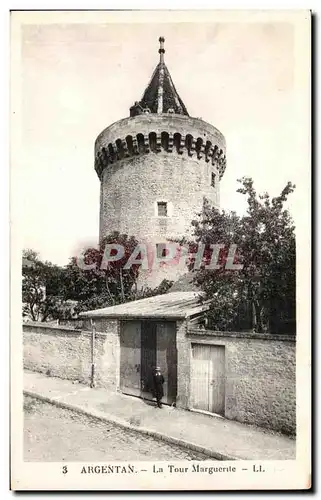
[(183, 366), (181, 145), (107, 353), (158, 143), (170, 142), (146, 143), (125, 148), (135, 146), (117, 354)]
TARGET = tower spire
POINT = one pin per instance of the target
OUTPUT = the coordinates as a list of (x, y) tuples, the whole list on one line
[(160, 96), (161, 49)]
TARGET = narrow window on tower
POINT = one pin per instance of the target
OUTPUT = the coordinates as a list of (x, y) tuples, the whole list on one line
[(162, 209), (161, 250), (213, 179)]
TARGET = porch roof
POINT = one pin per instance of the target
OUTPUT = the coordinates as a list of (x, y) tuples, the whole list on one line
[(174, 305)]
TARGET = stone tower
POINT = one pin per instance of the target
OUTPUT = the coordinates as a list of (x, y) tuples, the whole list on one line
[(156, 167)]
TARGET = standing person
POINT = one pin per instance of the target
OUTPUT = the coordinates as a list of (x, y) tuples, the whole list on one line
[(158, 381)]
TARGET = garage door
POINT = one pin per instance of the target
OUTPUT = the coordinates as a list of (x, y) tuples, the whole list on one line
[(130, 335), (208, 378)]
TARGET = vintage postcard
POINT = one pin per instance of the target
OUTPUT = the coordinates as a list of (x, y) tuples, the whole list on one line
[(160, 246)]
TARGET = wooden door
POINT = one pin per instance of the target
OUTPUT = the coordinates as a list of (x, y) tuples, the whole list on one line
[(130, 359), (148, 357), (200, 377), (217, 380), (167, 359), (208, 378)]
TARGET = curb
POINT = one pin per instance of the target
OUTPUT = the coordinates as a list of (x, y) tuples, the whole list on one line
[(121, 423)]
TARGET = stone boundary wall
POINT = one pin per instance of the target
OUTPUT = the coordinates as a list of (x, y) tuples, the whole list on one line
[(260, 372), (259, 368), (242, 335), (65, 352)]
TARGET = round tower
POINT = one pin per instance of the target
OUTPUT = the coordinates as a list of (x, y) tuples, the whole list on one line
[(157, 167)]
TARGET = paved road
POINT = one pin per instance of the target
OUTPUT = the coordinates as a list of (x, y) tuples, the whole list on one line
[(57, 434)]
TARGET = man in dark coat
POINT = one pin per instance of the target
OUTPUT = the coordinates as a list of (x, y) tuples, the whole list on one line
[(158, 381)]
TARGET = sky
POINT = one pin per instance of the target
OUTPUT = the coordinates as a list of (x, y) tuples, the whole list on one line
[(76, 78)]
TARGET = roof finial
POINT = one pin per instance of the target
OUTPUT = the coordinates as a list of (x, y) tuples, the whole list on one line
[(161, 49), (160, 96)]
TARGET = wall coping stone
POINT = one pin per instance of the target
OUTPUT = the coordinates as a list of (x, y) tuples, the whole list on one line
[(242, 335), (36, 324), (43, 328)]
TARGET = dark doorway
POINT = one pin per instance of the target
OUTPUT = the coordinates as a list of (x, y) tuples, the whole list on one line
[(148, 357), (143, 345), (167, 358), (130, 353)]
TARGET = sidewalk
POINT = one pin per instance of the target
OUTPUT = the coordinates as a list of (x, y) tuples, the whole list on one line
[(220, 438)]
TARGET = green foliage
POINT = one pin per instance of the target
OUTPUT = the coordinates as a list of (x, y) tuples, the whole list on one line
[(53, 292), (98, 288), (43, 289), (262, 294), (102, 286), (162, 288)]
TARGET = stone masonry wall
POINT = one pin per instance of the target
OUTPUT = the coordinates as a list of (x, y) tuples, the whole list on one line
[(259, 369), (131, 189), (133, 182), (158, 123), (260, 376), (66, 353)]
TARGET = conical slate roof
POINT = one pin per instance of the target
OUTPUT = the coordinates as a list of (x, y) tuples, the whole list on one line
[(160, 95)]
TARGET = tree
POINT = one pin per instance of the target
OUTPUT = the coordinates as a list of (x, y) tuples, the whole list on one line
[(53, 292), (103, 285), (43, 291), (146, 292), (264, 289)]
